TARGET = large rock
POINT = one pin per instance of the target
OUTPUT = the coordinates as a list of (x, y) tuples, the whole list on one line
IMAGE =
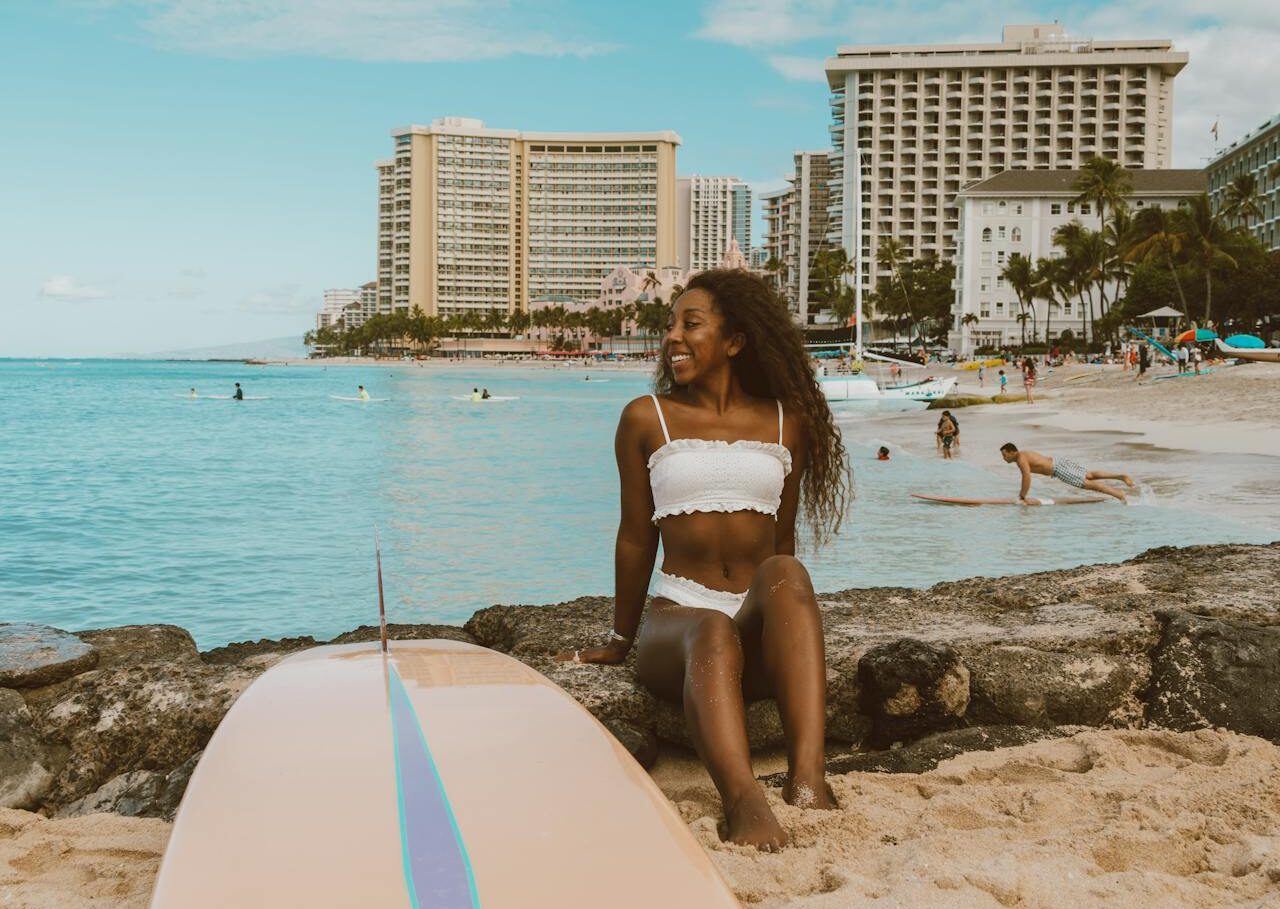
[(24, 772), (1216, 672), (34, 655), (109, 722), (133, 645), (911, 688), (404, 633), (1025, 686), (139, 793)]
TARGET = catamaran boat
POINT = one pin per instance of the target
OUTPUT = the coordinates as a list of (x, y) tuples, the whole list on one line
[(861, 388)]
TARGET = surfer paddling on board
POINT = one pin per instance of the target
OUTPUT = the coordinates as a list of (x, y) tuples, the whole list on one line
[(716, 466), (1067, 471)]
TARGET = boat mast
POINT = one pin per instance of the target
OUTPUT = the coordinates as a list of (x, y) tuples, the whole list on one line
[(857, 250)]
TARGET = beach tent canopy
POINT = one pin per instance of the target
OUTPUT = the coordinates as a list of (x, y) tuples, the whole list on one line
[(1164, 312), (1245, 342), (1200, 334)]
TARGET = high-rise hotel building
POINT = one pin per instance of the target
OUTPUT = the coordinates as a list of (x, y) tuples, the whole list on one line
[(796, 230), (1256, 153), (929, 119), (472, 218), (711, 212)]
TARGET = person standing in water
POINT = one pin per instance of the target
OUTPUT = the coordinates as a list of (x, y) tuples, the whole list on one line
[(364, 395), (239, 395), (1067, 471), (716, 466), (947, 432)]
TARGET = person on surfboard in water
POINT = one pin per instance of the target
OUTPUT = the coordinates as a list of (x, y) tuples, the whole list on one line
[(1063, 469), (239, 395), (716, 466), (363, 395)]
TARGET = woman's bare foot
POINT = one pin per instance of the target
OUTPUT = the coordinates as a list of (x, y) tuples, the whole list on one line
[(751, 823), (809, 791)]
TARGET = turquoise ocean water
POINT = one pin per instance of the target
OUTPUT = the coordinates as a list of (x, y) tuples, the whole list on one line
[(124, 502)]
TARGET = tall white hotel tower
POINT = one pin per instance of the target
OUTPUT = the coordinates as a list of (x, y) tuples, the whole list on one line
[(478, 219), (712, 212), (929, 119)]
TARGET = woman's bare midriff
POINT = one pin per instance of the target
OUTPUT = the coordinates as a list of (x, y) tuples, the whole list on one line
[(720, 550)]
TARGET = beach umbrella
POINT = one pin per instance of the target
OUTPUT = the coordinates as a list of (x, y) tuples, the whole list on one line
[(1246, 342), (1198, 334)]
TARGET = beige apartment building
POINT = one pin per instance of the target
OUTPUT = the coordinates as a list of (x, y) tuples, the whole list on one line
[(927, 120), (473, 218), (796, 229), (712, 212)]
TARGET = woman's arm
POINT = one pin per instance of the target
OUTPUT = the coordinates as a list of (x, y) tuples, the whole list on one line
[(795, 437), (636, 547)]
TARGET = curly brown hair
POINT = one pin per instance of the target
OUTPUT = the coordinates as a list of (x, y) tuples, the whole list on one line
[(773, 364)]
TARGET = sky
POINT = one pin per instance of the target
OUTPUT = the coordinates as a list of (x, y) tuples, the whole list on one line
[(187, 173)]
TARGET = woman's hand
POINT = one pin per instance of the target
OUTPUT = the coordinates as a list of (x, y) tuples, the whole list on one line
[(611, 654)]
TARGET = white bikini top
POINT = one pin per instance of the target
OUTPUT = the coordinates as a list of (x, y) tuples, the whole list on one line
[(689, 475)]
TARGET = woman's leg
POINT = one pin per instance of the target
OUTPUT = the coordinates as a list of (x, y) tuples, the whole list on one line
[(782, 642), (694, 657)]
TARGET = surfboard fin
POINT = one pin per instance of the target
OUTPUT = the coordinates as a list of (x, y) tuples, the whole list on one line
[(382, 603)]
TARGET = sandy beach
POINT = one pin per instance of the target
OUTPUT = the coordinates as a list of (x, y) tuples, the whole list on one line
[(1100, 820)]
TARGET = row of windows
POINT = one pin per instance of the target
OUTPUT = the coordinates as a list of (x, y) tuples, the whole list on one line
[(1015, 235), (589, 149), (984, 309)]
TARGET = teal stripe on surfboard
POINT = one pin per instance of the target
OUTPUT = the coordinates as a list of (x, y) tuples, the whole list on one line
[(437, 869)]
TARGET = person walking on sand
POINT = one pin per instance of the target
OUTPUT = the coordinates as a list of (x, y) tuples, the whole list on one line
[(1067, 471), (1004, 381), (1144, 361), (1029, 380), (982, 374), (716, 466)]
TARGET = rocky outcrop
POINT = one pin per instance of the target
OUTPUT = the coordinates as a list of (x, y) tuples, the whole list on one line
[(24, 775), (1216, 673), (35, 655), (1179, 637), (911, 688)]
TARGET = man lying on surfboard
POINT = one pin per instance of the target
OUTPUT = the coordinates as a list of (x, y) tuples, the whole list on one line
[(1063, 469)]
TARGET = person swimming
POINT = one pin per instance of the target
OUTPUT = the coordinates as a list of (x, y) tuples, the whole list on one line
[(239, 395), (883, 453), (364, 395)]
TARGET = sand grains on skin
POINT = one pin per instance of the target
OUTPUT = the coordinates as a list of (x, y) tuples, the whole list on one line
[(100, 860), (1100, 820)]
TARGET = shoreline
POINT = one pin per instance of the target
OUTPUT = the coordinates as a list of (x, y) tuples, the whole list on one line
[(1083, 688)]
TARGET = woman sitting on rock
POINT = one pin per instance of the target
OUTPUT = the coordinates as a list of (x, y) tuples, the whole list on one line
[(716, 465)]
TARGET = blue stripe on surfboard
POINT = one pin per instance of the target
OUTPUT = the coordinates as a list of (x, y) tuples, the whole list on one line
[(437, 870)]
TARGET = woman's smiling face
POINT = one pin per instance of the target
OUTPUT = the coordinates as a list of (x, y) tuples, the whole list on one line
[(694, 344)]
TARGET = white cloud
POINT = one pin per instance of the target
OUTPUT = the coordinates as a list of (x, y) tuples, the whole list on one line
[(65, 287), (404, 31), (1232, 74), (800, 69), (761, 23)]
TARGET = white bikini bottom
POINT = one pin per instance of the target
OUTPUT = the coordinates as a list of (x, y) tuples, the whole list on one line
[(685, 592)]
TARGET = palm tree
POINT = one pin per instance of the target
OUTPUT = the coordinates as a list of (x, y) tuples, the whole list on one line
[(890, 253), (1104, 183), (1021, 277), (1155, 237), (969, 320), (1206, 241), (1241, 199)]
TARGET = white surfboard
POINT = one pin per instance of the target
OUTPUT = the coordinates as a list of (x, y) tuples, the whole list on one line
[(442, 775), (233, 398), (357, 398), (486, 400), (956, 500)]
